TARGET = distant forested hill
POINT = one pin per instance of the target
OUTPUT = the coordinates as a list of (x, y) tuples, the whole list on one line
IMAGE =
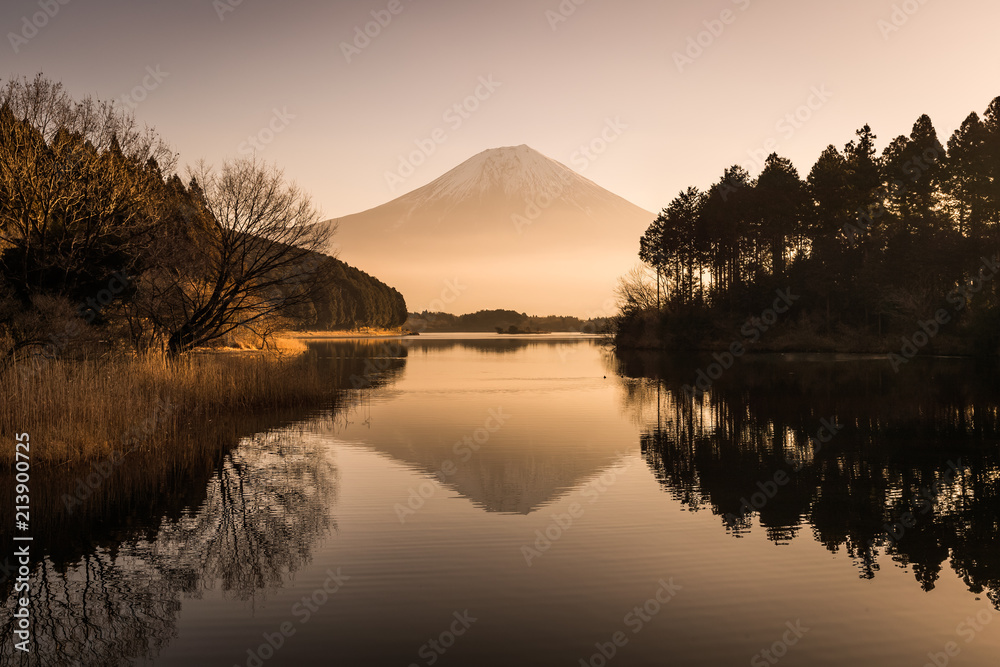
[(493, 320), (352, 300)]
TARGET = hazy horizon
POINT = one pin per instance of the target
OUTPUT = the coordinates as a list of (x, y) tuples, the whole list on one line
[(362, 103), (229, 70)]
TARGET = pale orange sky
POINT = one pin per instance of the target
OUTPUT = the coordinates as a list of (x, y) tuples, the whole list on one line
[(342, 126), (353, 120)]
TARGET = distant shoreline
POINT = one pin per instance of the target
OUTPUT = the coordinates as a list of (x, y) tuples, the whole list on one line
[(332, 335)]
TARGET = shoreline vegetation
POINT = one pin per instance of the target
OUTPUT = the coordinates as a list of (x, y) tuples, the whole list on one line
[(103, 410), (137, 308), (335, 335), (502, 321), (894, 252), (105, 250)]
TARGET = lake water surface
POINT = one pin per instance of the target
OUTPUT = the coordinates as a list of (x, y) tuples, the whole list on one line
[(539, 501)]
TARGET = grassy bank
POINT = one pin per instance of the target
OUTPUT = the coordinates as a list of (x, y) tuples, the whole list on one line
[(86, 410), (333, 335)]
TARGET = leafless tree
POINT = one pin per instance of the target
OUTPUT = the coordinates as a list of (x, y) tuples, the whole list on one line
[(257, 254), (636, 291)]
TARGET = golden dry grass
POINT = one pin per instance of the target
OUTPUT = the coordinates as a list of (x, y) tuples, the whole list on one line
[(82, 410)]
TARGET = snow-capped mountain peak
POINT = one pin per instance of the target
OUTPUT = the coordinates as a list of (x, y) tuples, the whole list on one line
[(510, 217)]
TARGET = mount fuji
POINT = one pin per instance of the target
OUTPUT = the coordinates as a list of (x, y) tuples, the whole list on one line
[(508, 228)]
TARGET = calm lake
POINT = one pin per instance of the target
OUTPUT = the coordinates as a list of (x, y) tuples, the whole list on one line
[(486, 500)]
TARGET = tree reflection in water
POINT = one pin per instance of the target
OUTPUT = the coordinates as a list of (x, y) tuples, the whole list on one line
[(265, 507), (237, 506), (912, 476)]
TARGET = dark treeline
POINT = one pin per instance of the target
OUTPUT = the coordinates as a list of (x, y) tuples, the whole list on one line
[(872, 464), (353, 300), (873, 243), (499, 321), (101, 244)]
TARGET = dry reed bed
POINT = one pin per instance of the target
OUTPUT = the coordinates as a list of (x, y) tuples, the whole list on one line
[(82, 410)]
